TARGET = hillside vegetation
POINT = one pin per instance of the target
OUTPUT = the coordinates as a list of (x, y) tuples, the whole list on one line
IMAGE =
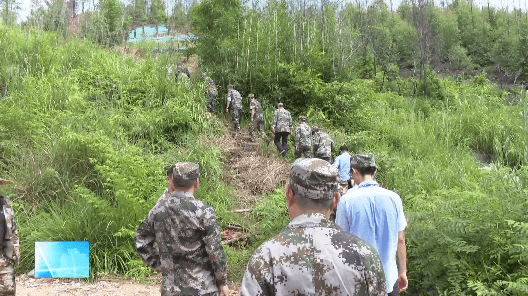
[(87, 133), (87, 136)]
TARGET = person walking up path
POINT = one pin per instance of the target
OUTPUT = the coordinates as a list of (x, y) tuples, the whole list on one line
[(234, 99), (281, 126), (375, 215), (257, 118), (303, 139)]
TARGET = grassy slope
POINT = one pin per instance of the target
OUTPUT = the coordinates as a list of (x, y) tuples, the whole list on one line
[(86, 134)]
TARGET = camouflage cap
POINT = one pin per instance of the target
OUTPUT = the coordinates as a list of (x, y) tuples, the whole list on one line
[(362, 161), (204, 74), (315, 129), (313, 178), (302, 118), (184, 174), (251, 96), (281, 104)]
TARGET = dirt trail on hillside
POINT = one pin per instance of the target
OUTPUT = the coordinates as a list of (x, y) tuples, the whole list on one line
[(245, 167), (248, 169)]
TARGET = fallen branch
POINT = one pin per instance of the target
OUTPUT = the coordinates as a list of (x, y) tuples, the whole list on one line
[(237, 239), (243, 210)]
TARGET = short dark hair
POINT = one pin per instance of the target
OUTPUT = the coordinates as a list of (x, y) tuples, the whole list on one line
[(343, 148), (309, 203), (169, 171), (179, 183), (365, 170)]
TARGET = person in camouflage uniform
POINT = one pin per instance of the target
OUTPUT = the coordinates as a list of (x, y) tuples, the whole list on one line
[(234, 99), (281, 126), (257, 118), (303, 139), (312, 255), (212, 93), (10, 246), (181, 69), (188, 248), (323, 145)]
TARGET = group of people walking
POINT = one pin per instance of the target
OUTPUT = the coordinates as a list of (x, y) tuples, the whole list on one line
[(306, 139), (356, 255), (362, 253)]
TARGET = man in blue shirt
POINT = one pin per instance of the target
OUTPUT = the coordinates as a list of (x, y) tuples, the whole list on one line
[(342, 163), (375, 215)]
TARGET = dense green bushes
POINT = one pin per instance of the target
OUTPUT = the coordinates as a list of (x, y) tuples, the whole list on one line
[(87, 134)]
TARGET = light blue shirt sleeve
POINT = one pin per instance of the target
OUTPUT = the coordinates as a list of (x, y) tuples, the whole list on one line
[(402, 222), (336, 162), (341, 216)]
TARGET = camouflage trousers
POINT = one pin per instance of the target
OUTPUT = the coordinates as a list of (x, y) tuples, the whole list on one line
[(235, 117), (281, 141), (257, 124), (306, 150), (211, 102), (7, 278)]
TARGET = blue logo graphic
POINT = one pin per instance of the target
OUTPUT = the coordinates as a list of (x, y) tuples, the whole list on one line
[(62, 260)]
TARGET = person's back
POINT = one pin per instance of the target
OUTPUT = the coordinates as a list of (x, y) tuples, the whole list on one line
[(281, 126), (255, 105), (236, 98), (321, 259), (182, 224), (282, 121), (303, 136), (180, 238), (303, 139), (323, 146), (376, 215), (373, 216)]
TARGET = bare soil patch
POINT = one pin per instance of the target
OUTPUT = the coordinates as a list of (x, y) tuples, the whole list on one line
[(27, 286), (248, 169)]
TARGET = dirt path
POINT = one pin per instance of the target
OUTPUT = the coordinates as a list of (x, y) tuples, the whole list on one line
[(26, 286)]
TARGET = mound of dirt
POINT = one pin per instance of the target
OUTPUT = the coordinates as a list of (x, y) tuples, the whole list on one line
[(248, 169)]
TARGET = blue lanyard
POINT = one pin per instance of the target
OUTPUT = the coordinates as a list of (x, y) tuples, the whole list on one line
[(367, 185)]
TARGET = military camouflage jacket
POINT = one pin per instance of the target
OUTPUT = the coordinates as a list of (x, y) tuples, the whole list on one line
[(235, 98), (11, 248), (313, 256), (255, 105), (188, 250), (211, 86), (282, 121), (323, 145), (303, 135), (166, 194)]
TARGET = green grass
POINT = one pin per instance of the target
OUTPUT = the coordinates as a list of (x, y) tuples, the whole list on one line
[(87, 135)]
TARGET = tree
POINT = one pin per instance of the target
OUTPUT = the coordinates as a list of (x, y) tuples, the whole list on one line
[(106, 27), (157, 14), (9, 10), (55, 18)]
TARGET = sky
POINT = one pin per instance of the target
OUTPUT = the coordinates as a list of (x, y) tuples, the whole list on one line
[(26, 5)]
